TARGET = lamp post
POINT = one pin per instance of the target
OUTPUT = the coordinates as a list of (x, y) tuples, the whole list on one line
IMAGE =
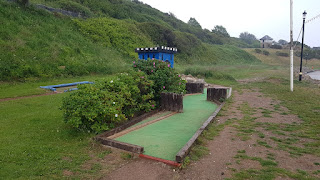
[(304, 20)]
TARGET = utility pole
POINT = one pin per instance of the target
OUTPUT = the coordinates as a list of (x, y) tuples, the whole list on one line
[(291, 45), (304, 20)]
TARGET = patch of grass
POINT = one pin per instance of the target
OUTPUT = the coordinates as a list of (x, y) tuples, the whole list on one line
[(104, 153), (269, 173), (246, 125), (198, 152), (261, 135), (266, 113), (316, 172), (36, 143), (263, 162), (241, 151), (126, 156), (186, 162), (276, 107), (278, 132), (264, 143), (271, 156)]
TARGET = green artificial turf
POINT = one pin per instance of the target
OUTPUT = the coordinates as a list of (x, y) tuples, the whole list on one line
[(165, 138)]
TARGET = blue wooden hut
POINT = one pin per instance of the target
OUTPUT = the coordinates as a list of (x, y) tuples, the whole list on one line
[(161, 53)]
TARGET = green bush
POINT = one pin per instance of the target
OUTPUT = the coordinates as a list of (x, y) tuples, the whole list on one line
[(266, 52), (107, 104), (258, 51), (165, 78), (284, 54)]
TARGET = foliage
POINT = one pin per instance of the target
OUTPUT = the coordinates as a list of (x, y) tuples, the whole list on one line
[(283, 42), (265, 52), (284, 54), (159, 34), (221, 30), (193, 22), (165, 78), (106, 104), (247, 37), (118, 34), (258, 51), (308, 53)]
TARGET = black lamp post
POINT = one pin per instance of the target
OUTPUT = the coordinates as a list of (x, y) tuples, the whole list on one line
[(304, 20)]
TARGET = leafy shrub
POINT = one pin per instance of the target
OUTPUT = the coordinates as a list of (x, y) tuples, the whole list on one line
[(106, 104), (258, 51), (284, 54), (266, 52), (165, 78)]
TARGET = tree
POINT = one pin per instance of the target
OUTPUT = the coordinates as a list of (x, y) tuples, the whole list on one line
[(221, 30), (282, 42), (193, 22), (247, 37)]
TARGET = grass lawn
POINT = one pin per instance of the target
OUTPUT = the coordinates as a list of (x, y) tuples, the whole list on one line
[(35, 142), (18, 89)]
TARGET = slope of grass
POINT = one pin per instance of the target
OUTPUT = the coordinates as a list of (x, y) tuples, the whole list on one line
[(34, 43)]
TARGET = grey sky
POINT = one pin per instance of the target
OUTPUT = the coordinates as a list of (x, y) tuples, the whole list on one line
[(259, 17)]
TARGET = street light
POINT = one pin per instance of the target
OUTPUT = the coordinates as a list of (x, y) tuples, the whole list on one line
[(304, 20)]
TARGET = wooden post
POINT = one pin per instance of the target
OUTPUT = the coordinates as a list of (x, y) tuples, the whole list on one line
[(171, 102)]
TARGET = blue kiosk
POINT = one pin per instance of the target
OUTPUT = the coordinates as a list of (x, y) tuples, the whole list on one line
[(161, 53)]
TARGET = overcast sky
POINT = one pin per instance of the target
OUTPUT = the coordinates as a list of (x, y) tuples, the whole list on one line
[(258, 17)]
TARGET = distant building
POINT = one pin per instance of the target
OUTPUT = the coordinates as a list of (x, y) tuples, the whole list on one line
[(161, 53), (266, 41)]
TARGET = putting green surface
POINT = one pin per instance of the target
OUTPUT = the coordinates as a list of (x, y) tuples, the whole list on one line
[(165, 138)]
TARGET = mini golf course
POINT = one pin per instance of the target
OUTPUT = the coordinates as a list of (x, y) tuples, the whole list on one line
[(163, 139)]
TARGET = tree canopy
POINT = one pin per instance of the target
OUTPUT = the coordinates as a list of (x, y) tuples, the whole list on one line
[(283, 42), (221, 30), (193, 22), (247, 37)]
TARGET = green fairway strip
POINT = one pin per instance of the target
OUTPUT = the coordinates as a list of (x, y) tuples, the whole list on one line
[(165, 138)]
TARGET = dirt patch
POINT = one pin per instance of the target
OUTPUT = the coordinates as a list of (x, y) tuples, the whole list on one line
[(67, 173)]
